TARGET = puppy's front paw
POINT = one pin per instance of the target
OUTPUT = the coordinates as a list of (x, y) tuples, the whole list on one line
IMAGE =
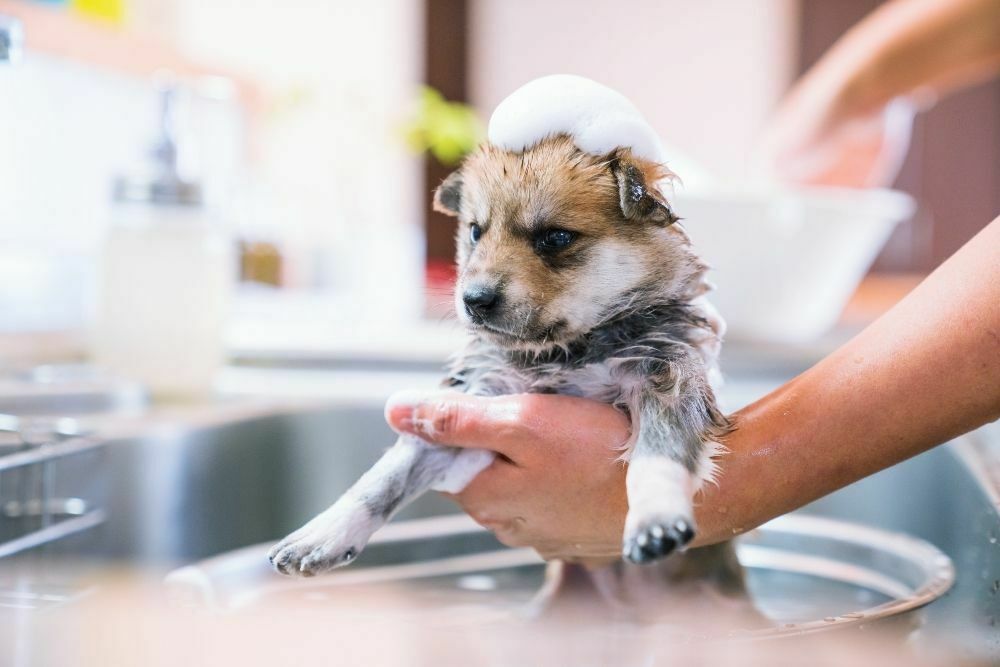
[(322, 544), (307, 557), (656, 537)]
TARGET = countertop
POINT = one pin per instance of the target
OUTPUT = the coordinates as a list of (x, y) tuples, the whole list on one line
[(304, 328)]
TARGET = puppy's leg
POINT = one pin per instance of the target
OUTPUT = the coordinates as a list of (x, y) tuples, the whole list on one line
[(666, 467), (338, 535), (659, 518)]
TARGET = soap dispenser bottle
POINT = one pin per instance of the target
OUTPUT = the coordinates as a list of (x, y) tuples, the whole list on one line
[(166, 276)]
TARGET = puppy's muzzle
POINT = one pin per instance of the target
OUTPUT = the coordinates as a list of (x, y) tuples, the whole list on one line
[(481, 301)]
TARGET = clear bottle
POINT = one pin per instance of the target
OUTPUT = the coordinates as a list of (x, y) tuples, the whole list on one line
[(166, 277)]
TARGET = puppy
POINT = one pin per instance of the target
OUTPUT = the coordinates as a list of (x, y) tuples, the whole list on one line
[(574, 278)]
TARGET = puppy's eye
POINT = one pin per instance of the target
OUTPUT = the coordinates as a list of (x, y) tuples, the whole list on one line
[(555, 239), (475, 233)]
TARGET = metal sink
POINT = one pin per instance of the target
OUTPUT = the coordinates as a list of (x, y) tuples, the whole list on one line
[(173, 498), (806, 575)]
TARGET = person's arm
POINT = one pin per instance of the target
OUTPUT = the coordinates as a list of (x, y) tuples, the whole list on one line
[(925, 372), (908, 45), (839, 124)]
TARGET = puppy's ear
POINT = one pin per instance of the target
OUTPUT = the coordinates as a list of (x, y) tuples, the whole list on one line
[(639, 201), (448, 196)]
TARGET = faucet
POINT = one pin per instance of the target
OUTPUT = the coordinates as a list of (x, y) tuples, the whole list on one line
[(11, 39)]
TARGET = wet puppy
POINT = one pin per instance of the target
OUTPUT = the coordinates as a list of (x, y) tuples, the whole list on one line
[(574, 279)]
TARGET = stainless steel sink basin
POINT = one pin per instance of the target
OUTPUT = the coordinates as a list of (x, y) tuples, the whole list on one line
[(806, 575), (176, 497), (188, 494)]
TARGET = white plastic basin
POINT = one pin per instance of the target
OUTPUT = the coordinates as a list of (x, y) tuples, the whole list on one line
[(786, 262)]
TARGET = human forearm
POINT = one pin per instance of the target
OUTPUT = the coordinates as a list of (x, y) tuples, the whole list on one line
[(925, 372), (914, 45)]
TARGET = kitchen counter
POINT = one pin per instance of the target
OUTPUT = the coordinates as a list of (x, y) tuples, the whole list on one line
[(298, 328)]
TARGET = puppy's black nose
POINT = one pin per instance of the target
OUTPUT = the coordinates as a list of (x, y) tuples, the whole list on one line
[(480, 300)]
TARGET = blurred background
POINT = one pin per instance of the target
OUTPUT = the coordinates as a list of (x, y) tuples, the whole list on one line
[(218, 258), (307, 127)]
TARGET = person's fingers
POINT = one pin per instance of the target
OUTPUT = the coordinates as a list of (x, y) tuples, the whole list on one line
[(460, 420), (500, 480), (479, 498), (843, 148), (505, 424)]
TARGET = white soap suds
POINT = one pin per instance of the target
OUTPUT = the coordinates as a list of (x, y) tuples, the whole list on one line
[(598, 118)]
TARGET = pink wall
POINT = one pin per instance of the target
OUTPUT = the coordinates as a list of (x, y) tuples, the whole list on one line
[(705, 73)]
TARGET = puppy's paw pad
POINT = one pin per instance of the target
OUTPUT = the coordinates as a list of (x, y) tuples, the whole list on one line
[(657, 538)]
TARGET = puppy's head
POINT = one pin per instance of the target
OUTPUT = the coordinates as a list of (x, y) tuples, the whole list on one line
[(553, 242)]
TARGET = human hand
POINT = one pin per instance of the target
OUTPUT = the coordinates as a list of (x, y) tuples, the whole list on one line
[(848, 121), (826, 133), (557, 484)]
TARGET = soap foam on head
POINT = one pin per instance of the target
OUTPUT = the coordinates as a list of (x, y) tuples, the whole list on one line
[(597, 118)]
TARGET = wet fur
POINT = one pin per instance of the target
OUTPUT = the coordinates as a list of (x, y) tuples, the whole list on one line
[(619, 317)]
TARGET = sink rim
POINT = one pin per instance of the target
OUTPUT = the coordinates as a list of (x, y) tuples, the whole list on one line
[(211, 582)]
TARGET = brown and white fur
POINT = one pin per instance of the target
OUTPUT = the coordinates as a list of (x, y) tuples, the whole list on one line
[(574, 279)]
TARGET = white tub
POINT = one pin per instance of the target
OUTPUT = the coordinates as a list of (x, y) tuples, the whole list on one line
[(785, 263)]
